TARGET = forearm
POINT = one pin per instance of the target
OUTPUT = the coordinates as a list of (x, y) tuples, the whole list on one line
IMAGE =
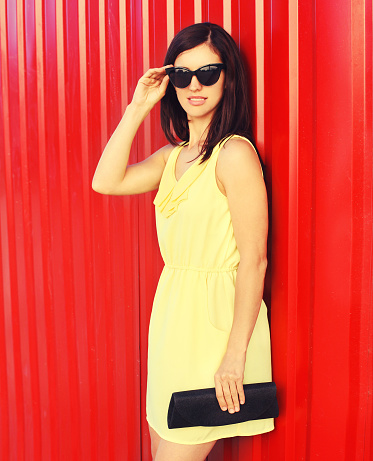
[(111, 168), (248, 298)]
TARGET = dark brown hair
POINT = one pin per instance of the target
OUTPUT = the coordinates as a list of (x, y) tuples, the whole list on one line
[(232, 115)]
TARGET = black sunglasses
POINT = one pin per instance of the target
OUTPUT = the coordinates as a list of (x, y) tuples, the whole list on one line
[(207, 75)]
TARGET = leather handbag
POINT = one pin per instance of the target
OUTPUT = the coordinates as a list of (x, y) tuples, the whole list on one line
[(200, 407)]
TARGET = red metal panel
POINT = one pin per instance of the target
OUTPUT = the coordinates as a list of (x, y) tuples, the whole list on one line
[(43, 242), (59, 357), (78, 271), (6, 403), (184, 13), (333, 164), (212, 10)]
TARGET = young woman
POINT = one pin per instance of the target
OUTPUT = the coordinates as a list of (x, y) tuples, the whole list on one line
[(209, 325)]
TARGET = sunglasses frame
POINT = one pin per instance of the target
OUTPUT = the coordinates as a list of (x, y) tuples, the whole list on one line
[(170, 70)]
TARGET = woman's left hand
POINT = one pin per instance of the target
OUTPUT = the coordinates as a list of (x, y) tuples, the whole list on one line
[(229, 382)]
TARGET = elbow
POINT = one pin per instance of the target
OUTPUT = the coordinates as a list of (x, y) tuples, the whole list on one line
[(97, 187), (264, 267), (100, 188), (258, 265), (261, 266)]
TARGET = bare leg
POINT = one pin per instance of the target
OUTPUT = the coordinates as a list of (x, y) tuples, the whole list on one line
[(178, 452), (155, 439), (162, 450)]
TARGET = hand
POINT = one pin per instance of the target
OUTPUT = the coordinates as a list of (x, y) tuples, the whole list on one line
[(229, 382), (151, 87)]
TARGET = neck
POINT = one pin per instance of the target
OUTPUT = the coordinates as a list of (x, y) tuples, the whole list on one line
[(198, 130)]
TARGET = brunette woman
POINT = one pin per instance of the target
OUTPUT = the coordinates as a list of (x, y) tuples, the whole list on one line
[(209, 324)]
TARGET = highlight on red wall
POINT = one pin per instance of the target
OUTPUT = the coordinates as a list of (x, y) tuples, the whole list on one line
[(78, 270)]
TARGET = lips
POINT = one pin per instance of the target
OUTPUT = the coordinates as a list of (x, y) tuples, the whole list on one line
[(196, 100)]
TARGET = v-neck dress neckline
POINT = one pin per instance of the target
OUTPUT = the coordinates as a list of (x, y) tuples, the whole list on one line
[(171, 191), (197, 160)]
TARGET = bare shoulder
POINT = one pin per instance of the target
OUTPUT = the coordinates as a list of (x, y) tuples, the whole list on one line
[(236, 159), (166, 151), (163, 153)]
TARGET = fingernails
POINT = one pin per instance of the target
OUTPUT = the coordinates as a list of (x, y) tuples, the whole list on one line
[(224, 408), (231, 410), (237, 408)]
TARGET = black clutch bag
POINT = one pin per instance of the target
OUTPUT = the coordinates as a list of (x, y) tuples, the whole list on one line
[(200, 407)]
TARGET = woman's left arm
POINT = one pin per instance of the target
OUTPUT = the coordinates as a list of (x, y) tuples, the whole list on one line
[(239, 176)]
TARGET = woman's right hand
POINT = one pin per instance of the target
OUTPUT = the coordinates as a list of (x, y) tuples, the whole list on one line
[(151, 87)]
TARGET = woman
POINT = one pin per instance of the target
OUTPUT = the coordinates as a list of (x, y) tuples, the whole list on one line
[(209, 324)]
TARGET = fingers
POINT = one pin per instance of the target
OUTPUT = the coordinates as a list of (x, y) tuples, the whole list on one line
[(151, 88), (241, 393), (156, 72), (220, 396), (234, 397), (230, 394), (164, 83), (156, 79)]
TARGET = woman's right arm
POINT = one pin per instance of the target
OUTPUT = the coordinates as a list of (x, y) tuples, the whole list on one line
[(112, 175)]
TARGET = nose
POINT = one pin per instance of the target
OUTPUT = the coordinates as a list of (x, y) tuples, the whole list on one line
[(194, 85)]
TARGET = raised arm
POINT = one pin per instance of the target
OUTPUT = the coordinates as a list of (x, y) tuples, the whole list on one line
[(112, 175)]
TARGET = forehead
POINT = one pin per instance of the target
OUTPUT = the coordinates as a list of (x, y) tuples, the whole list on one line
[(197, 57)]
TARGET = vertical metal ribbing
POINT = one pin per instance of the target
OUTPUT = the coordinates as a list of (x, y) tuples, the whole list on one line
[(5, 281), (15, 381), (88, 392), (71, 424), (360, 377), (29, 349), (197, 11), (46, 329), (227, 15)]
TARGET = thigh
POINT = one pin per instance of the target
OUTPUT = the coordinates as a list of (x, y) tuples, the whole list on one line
[(154, 440), (180, 452)]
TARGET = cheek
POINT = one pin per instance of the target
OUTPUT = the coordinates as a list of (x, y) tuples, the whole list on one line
[(222, 85), (181, 96), (179, 93), (219, 88), (220, 92)]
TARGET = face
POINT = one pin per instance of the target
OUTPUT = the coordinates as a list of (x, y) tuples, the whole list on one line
[(199, 101)]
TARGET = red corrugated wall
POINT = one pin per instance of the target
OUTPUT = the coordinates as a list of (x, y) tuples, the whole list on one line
[(78, 271)]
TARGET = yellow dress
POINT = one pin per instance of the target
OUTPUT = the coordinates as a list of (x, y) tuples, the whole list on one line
[(194, 302)]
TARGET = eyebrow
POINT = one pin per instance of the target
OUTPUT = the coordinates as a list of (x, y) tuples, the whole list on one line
[(204, 65)]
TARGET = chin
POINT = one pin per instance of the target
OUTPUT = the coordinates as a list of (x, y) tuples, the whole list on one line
[(199, 111)]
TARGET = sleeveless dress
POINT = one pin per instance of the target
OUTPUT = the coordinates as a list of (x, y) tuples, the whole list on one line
[(194, 303)]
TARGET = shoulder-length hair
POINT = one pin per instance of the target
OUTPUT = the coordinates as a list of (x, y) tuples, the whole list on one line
[(232, 115)]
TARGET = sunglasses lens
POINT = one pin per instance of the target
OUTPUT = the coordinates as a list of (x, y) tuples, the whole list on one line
[(180, 77), (208, 75)]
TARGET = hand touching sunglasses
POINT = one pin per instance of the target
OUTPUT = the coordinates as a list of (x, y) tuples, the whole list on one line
[(207, 75)]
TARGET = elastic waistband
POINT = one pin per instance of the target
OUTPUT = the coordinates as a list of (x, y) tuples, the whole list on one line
[(201, 269)]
